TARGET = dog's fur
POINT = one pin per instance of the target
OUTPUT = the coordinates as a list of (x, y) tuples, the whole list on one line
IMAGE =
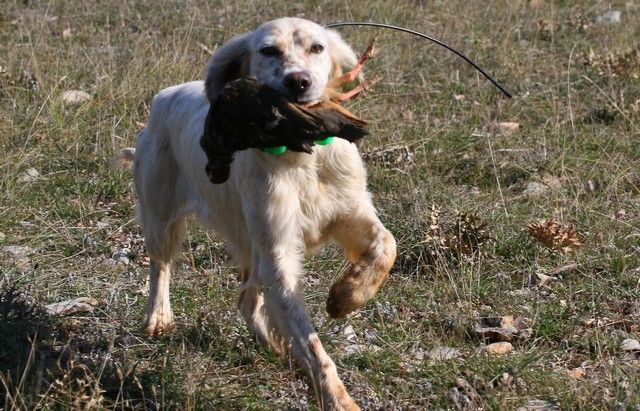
[(273, 209)]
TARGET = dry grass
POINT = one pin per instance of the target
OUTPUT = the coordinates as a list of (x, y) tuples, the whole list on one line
[(577, 101)]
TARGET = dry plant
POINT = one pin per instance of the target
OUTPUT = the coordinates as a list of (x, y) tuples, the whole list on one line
[(465, 236), (614, 63), (554, 236)]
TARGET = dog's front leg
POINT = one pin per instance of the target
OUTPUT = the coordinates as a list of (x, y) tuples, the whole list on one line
[(274, 220), (371, 249)]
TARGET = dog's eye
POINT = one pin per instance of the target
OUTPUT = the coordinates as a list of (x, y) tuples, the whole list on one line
[(270, 51), (316, 48)]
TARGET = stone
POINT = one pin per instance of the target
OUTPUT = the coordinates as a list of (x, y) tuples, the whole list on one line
[(122, 256), (443, 353), (538, 405), (499, 348), (29, 176), (535, 189), (610, 17), (75, 97), (77, 305), (630, 344)]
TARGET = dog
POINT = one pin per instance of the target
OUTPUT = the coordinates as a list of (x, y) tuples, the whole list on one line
[(273, 210)]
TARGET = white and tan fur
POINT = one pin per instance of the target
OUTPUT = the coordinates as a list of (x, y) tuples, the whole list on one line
[(273, 210)]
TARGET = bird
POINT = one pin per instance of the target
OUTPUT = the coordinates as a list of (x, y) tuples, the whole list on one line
[(248, 114)]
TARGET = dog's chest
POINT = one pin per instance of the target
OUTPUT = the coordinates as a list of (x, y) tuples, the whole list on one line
[(324, 195)]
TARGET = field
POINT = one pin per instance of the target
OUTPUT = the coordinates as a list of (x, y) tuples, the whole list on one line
[(456, 186)]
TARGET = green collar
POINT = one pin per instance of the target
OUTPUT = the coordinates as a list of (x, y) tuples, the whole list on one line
[(277, 150)]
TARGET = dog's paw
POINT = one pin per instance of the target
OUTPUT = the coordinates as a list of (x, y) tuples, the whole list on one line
[(339, 400), (349, 293), (159, 324)]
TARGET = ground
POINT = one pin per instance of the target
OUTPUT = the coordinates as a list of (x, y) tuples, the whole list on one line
[(457, 189)]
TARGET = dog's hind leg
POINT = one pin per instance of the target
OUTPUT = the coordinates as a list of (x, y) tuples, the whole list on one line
[(158, 316), (372, 251), (162, 214)]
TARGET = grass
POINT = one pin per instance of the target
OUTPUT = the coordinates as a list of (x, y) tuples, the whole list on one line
[(578, 104)]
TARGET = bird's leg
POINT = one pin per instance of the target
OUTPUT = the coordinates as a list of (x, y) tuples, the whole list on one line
[(340, 97), (353, 73)]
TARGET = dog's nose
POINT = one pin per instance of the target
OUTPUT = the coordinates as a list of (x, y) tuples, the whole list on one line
[(298, 82)]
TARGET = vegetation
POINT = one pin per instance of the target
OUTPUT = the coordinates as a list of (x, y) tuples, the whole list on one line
[(68, 229)]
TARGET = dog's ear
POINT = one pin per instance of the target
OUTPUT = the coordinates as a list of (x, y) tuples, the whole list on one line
[(342, 55), (229, 62)]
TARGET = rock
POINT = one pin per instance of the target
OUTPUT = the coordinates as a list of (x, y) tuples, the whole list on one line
[(552, 181), (505, 127), (67, 33), (75, 97), (350, 333), (630, 344), (535, 189), (505, 328), (508, 127), (101, 225), (360, 348), (565, 269), (496, 333), (3, 237), (78, 305), (460, 400), (468, 389), (538, 405), (610, 17), (505, 379), (89, 244), (122, 256), (29, 176), (19, 254), (588, 322), (499, 348), (443, 353), (538, 279)]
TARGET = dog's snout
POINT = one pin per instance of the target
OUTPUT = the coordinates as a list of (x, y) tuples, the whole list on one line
[(298, 82)]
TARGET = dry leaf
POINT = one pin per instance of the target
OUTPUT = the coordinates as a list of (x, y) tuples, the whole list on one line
[(554, 236), (576, 373)]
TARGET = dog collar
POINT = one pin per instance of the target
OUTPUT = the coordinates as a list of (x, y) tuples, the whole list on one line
[(278, 150)]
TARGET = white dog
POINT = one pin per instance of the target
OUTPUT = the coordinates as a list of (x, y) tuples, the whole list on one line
[(273, 209)]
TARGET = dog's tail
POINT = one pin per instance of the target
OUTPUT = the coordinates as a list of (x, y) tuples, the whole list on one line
[(124, 158)]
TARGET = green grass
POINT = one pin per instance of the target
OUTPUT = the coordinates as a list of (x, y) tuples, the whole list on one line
[(580, 124)]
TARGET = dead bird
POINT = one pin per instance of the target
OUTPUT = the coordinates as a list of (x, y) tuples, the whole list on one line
[(250, 115)]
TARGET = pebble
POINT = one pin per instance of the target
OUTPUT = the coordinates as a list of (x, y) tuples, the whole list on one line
[(535, 189), (122, 256), (499, 348), (630, 344), (611, 17), (538, 405), (75, 97), (29, 176), (443, 353)]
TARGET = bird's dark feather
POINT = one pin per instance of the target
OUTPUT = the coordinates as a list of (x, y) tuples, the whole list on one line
[(250, 115)]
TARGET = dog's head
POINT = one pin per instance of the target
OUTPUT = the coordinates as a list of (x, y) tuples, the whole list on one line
[(294, 56)]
